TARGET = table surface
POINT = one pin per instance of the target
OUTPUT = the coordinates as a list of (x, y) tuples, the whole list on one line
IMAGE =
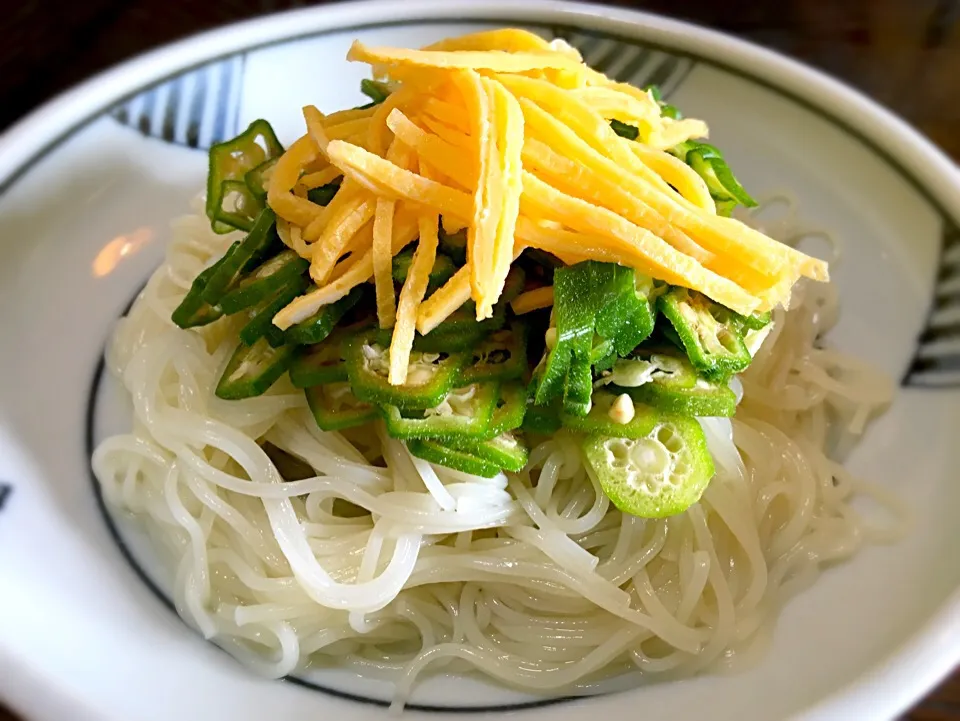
[(903, 53)]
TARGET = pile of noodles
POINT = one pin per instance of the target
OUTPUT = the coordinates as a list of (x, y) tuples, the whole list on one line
[(381, 563)]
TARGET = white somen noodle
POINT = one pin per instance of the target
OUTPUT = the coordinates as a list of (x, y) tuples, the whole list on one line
[(380, 562)]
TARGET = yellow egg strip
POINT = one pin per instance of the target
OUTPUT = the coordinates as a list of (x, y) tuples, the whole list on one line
[(378, 134), (611, 104), (385, 178), (668, 263), (411, 295), (450, 296), (532, 300), (357, 272), (344, 116), (284, 177), (383, 262), (495, 60), (435, 150), (510, 40), (573, 247), (677, 173), (685, 216), (444, 301), (349, 192), (347, 130), (576, 179), (449, 114), (508, 134), (319, 178), (291, 236), (402, 155), (354, 215), (482, 220)]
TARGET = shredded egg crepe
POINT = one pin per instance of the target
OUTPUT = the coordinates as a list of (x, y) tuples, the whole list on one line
[(508, 136)]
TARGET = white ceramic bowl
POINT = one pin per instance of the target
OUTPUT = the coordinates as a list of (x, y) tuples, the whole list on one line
[(90, 183)]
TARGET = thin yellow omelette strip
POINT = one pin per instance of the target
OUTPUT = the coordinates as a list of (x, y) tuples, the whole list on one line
[(673, 132), (810, 267), (400, 154), (291, 237), (447, 113), (482, 222), (612, 104), (428, 171), (359, 245), (572, 246), (575, 131), (459, 139), (357, 272), (533, 300), (434, 173), (331, 244), (323, 131), (286, 173), (670, 264), (494, 60), (594, 78), (485, 263), (343, 116), (723, 236), (378, 134), (459, 152), (583, 182), (411, 295), (779, 293), (383, 260), (386, 179), (349, 191), (320, 177), (316, 130), (511, 40), (567, 142), (427, 81), (589, 125), (444, 301), (451, 225), (508, 130), (361, 139), (680, 175), (346, 130), (443, 156), (306, 305), (326, 228), (458, 155)]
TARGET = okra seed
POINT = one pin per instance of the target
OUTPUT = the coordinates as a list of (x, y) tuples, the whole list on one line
[(550, 337), (622, 410)]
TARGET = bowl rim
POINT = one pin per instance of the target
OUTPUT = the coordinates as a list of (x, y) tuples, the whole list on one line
[(891, 684)]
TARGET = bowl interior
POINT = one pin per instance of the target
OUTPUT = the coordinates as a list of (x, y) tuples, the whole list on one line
[(85, 225)]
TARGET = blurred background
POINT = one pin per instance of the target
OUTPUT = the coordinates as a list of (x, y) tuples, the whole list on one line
[(903, 53)]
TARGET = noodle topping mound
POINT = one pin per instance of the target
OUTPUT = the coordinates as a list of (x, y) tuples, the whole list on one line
[(541, 200)]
